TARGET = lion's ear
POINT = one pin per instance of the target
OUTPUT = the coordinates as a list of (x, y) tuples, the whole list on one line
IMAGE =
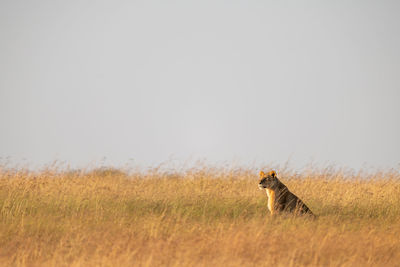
[(272, 173), (262, 174)]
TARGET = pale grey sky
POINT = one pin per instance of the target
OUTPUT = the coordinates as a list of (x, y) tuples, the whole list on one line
[(262, 81)]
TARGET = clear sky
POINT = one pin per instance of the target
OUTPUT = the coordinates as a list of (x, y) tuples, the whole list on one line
[(243, 81)]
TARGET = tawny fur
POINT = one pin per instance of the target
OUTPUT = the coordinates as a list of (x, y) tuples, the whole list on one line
[(279, 197)]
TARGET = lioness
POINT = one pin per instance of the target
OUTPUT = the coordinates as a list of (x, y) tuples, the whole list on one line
[(279, 196)]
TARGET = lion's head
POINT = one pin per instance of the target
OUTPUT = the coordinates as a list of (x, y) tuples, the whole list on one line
[(267, 180)]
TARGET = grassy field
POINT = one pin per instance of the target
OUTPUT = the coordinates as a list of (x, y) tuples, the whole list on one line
[(200, 217)]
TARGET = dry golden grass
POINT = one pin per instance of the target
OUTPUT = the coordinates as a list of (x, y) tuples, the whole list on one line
[(201, 217)]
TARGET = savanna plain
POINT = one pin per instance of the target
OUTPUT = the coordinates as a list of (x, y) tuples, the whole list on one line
[(204, 216)]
